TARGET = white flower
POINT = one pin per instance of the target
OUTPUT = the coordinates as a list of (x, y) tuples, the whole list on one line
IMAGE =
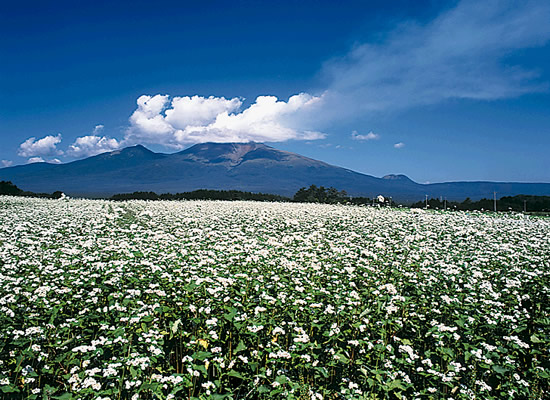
[(255, 328)]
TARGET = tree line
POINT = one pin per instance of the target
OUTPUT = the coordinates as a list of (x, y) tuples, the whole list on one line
[(316, 194), (201, 194), (313, 194), (517, 203), (8, 188)]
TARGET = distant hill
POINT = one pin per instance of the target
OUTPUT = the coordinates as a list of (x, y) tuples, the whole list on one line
[(250, 167)]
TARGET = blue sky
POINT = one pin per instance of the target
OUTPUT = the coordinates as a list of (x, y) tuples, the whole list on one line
[(437, 90)]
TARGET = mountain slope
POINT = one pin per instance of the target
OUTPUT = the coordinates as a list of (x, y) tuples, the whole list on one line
[(251, 167)]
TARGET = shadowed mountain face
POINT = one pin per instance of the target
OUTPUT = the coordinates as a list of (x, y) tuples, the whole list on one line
[(250, 167)]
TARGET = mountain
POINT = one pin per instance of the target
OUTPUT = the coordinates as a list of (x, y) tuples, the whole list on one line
[(253, 167), (401, 178)]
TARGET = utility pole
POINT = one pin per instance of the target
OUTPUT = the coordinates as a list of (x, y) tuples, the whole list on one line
[(495, 200), (445, 204), (426, 202), (524, 206)]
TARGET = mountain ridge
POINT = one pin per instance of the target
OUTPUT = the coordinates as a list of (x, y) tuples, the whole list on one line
[(253, 167)]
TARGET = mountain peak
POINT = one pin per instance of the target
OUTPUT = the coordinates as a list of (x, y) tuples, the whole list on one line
[(232, 153), (397, 177), (137, 149), (225, 147)]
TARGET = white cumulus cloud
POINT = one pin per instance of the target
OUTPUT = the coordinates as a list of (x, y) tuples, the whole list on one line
[(198, 111), (399, 145), (185, 120), (369, 136), (86, 146), (7, 163), (33, 160), (47, 146), (148, 124)]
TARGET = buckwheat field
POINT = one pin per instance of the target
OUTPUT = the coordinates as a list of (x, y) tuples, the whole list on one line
[(249, 300)]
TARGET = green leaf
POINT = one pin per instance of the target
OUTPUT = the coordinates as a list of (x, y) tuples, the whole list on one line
[(396, 384), (342, 358), (201, 368), (235, 374), (535, 339), (230, 315), (201, 355), (64, 396), (263, 389), (216, 396), (240, 347), (447, 351), (500, 370), (9, 389)]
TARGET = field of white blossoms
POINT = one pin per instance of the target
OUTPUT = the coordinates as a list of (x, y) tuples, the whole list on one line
[(245, 300)]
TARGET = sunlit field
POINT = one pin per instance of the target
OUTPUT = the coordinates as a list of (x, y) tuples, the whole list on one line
[(249, 300)]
